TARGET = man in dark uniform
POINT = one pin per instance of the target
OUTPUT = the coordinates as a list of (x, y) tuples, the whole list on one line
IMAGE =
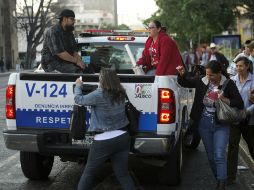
[(59, 48)]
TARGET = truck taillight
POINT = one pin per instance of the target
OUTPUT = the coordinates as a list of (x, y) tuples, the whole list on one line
[(166, 106), (10, 102)]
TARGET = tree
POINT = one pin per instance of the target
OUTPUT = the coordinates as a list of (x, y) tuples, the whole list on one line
[(195, 20), (248, 10), (247, 6), (34, 21)]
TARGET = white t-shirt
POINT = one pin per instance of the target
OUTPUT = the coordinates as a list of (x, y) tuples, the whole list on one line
[(109, 135), (240, 55), (213, 57)]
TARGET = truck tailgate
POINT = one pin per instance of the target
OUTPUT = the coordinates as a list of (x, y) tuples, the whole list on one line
[(45, 101)]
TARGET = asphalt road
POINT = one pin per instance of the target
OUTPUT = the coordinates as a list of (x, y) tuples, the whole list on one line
[(196, 174)]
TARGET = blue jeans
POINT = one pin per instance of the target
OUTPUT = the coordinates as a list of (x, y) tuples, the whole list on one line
[(215, 138), (115, 149)]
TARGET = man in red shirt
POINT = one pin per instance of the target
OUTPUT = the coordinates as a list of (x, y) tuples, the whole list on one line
[(161, 55)]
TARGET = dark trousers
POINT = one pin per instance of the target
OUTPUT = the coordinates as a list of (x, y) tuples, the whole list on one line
[(63, 67), (234, 139), (115, 149)]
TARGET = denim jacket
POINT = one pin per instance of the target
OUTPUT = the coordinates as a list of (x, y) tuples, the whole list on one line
[(104, 115)]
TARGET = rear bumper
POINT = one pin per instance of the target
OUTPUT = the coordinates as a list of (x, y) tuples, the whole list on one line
[(46, 143), (154, 146), (24, 142)]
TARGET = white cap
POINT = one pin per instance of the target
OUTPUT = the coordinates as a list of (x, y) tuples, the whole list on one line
[(212, 45)]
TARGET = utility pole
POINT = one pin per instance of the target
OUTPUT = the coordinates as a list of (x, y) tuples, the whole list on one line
[(7, 34)]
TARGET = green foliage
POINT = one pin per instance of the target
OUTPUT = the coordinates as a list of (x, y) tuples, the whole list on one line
[(195, 20), (247, 6)]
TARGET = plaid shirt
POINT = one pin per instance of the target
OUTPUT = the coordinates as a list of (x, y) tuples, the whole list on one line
[(56, 40)]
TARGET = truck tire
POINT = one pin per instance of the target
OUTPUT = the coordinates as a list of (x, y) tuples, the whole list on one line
[(36, 166), (171, 172), (194, 142), (192, 137)]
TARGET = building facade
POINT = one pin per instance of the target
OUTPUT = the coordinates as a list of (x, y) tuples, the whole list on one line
[(8, 33), (245, 27), (91, 13)]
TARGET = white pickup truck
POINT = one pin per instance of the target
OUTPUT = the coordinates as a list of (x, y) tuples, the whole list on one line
[(38, 108)]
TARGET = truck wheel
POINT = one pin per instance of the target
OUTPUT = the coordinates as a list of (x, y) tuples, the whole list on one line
[(171, 172), (36, 166), (193, 142), (192, 137)]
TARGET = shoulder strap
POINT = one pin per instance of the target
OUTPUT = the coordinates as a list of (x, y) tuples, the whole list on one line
[(224, 85), (126, 97)]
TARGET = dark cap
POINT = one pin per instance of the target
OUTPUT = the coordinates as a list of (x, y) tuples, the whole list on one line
[(66, 13)]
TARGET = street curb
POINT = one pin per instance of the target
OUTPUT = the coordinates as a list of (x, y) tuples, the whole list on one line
[(244, 152)]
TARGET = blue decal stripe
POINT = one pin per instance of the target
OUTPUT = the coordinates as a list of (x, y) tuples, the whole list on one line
[(42, 119), (60, 119), (148, 121)]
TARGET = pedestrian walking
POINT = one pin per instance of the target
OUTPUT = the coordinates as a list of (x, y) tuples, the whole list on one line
[(8, 65), (2, 64), (191, 59), (245, 52), (18, 63), (108, 123), (161, 55), (204, 56), (244, 81), (215, 55), (214, 134), (59, 50)]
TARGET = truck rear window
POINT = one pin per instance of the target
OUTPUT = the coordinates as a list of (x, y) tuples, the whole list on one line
[(113, 55)]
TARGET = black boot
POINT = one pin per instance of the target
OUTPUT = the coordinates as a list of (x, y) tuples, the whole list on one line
[(221, 185)]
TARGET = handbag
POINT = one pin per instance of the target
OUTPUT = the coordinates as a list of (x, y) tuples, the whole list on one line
[(132, 115), (78, 122), (227, 114)]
